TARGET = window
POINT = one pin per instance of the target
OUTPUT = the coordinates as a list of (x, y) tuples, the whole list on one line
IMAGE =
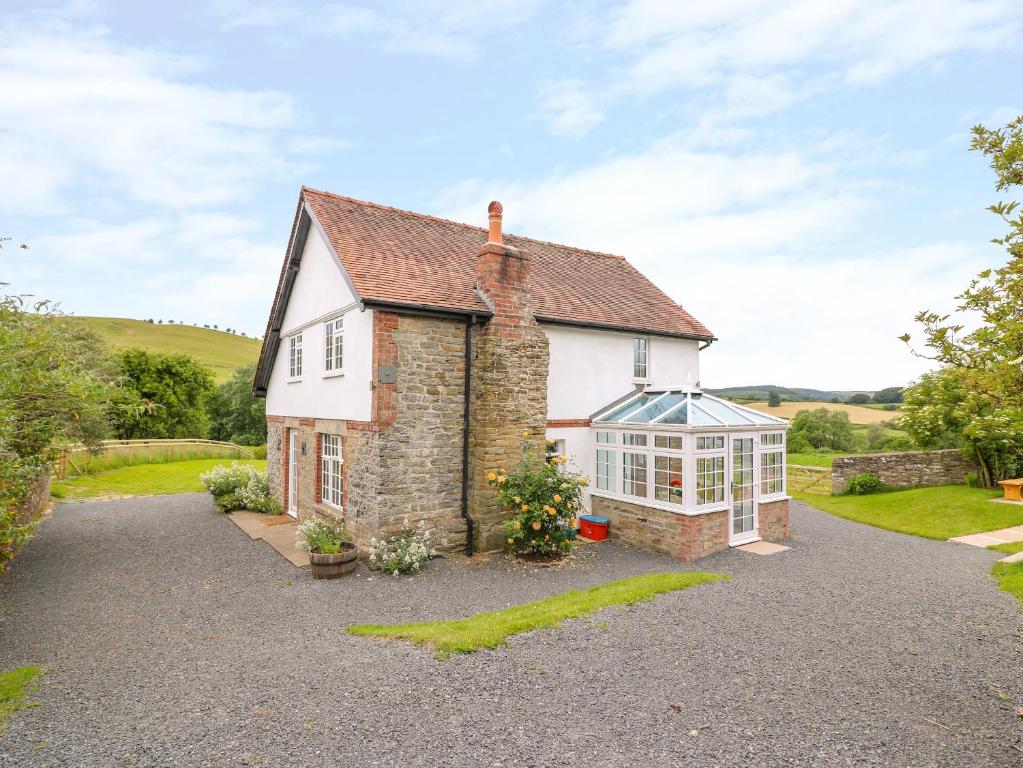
[(333, 345), (634, 474), (671, 442), (331, 464), (605, 470), (607, 438), (633, 438), (772, 472), (710, 479), (772, 438), (710, 443), (668, 479), (639, 356), (295, 356)]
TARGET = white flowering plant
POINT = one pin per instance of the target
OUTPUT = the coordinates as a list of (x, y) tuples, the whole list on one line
[(322, 537), (405, 552), (240, 486)]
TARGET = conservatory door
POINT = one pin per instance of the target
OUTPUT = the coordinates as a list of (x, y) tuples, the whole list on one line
[(743, 519), (293, 473)]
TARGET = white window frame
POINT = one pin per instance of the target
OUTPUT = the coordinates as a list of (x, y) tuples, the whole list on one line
[(723, 471), (719, 438), (295, 357), (779, 467), (332, 471), (333, 347), (640, 358), (627, 482), (682, 489)]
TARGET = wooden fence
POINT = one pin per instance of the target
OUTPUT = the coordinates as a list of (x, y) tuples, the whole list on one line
[(79, 460), (809, 479)]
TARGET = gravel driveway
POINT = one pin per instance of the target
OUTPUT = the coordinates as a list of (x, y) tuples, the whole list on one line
[(172, 639)]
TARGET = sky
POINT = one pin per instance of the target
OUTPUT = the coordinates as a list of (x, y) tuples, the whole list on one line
[(795, 173)]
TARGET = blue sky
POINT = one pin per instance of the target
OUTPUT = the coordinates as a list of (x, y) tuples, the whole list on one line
[(795, 173)]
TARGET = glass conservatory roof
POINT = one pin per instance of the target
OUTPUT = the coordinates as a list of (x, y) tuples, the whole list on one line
[(682, 408)]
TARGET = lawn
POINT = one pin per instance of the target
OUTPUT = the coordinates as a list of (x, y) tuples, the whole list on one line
[(1007, 549), (15, 686), (813, 459), (938, 512), (489, 630), (144, 479)]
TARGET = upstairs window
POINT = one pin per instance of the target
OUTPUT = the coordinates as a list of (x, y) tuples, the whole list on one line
[(334, 345), (639, 358), (295, 356)]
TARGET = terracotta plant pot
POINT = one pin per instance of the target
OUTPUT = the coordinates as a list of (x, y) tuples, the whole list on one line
[(334, 566)]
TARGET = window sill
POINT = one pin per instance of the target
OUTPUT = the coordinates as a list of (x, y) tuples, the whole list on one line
[(333, 374), (325, 508), (297, 380)]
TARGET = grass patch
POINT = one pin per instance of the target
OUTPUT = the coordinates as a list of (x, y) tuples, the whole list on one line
[(938, 512), (489, 630), (1007, 549), (144, 479), (813, 459), (16, 685), (1010, 578)]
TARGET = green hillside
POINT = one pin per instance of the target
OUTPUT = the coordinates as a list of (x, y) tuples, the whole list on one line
[(223, 352)]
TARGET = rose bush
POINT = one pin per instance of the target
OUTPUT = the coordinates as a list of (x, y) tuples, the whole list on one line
[(545, 498)]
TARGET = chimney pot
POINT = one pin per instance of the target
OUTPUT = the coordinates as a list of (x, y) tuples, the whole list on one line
[(495, 211)]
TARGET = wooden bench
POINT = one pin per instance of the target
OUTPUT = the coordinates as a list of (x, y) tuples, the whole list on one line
[(1013, 489)]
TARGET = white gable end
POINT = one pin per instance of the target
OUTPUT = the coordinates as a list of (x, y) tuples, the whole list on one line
[(322, 292)]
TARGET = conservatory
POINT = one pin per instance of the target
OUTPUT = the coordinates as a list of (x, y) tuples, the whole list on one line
[(684, 472)]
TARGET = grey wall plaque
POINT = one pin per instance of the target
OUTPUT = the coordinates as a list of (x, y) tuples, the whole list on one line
[(386, 374)]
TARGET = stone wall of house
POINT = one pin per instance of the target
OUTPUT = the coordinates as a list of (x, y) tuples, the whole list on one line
[(686, 537), (773, 520), (276, 450), (903, 470)]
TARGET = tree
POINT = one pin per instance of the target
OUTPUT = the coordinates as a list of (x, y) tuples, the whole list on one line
[(235, 413), (984, 366), (773, 399), (821, 428), (174, 391), (888, 395), (876, 437), (859, 399)]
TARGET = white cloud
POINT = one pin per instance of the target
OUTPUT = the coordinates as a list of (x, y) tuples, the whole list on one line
[(755, 245), (568, 108)]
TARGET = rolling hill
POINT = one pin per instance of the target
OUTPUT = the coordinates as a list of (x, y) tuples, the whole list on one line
[(223, 352), (761, 391)]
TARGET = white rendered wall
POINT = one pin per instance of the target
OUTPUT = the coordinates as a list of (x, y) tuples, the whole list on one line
[(591, 368), (321, 290), (580, 451)]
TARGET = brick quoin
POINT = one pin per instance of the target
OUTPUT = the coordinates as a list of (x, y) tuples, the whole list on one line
[(565, 423), (385, 352)]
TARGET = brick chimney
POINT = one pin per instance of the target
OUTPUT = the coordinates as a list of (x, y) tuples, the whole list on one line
[(502, 275)]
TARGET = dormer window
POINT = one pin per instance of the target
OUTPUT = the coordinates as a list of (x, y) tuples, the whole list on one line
[(295, 356), (639, 359)]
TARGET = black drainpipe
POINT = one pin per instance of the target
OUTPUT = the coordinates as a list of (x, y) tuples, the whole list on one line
[(470, 524)]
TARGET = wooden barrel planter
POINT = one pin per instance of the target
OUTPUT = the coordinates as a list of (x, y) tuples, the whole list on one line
[(334, 566)]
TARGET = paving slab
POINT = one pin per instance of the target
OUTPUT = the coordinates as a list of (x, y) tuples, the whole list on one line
[(988, 538), (279, 535), (762, 548)]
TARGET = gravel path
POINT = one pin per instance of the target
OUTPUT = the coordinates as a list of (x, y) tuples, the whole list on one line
[(172, 639)]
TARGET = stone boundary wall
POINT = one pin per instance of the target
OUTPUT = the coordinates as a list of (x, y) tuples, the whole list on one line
[(903, 470), (35, 502)]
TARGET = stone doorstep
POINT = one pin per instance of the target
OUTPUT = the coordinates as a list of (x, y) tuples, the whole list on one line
[(280, 536), (1018, 557), (762, 548), (987, 538)]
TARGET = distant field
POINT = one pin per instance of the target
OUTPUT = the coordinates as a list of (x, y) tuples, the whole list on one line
[(858, 414), (223, 352)]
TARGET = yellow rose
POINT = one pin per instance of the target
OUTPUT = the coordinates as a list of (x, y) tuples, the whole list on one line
[(552, 511), (583, 481), (547, 537), (503, 471), (557, 499), (518, 499), (536, 525), (525, 433), (518, 524), (525, 507), (551, 441), (511, 541), (491, 476), (501, 479)]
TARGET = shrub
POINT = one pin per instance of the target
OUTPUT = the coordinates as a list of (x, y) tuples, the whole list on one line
[(972, 479), (240, 486), (404, 552), (545, 498), (322, 537), (259, 451), (863, 483)]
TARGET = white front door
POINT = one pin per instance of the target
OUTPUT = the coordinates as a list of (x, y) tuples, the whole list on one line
[(293, 473), (743, 518)]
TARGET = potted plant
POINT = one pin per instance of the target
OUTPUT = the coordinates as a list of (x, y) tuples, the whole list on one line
[(331, 551)]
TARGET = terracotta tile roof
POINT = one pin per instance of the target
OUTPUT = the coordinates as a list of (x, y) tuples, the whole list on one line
[(399, 256)]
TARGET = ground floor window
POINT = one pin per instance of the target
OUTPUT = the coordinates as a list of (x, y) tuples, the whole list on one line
[(710, 479), (634, 474), (668, 479), (605, 470), (331, 464), (772, 472)]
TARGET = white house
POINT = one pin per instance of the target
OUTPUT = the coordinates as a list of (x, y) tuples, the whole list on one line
[(405, 355)]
